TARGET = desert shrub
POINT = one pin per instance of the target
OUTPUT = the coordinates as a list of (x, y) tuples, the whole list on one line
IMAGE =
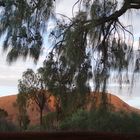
[(103, 121), (78, 121), (33, 128), (6, 126), (23, 121), (50, 121), (3, 113)]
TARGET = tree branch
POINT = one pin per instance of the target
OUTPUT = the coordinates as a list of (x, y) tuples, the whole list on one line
[(128, 4)]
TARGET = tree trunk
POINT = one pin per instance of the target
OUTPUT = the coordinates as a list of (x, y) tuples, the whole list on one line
[(41, 111)]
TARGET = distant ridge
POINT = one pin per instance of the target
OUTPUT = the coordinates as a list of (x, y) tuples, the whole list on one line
[(7, 103)]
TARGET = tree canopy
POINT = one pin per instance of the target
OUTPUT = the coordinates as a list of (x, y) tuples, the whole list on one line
[(32, 89), (24, 21), (88, 46)]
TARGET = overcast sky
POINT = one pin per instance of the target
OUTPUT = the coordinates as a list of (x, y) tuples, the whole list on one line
[(9, 75)]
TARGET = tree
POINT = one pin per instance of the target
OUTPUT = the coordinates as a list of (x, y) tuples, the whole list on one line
[(67, 81), (74, 39), (23, 21), (27, 39), (95, 30), (34, 87), (21, 104)]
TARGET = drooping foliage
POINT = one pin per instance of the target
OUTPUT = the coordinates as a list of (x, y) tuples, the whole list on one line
[(91, 44), (23, 22), (87, 43), (88, 48), (67, 81)]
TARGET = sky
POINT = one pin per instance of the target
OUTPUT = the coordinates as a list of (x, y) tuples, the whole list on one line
[(10, 74)]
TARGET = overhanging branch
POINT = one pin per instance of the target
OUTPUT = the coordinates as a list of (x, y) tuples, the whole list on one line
[(128, 4)]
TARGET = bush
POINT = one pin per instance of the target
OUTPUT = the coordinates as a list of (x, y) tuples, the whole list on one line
[(23, 121), (78, 121), (33, 128), (6, 126), (104, 121), (50, 121)]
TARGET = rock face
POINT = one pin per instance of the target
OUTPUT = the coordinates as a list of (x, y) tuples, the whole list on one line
[(7, 103), (114, 101)]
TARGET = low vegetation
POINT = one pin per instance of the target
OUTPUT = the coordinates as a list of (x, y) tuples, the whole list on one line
[(95, 120), (102, 121), (6, 126)]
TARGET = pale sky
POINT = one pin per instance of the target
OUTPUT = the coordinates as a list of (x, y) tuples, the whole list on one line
[(9, 75)]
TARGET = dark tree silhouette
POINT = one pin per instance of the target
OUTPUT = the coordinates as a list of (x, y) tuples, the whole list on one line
[(21, 105), (93, 37), (32, 86), (23, 22)]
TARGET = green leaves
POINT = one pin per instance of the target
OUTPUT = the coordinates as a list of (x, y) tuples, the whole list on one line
[(34, 90), (23, 22)]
